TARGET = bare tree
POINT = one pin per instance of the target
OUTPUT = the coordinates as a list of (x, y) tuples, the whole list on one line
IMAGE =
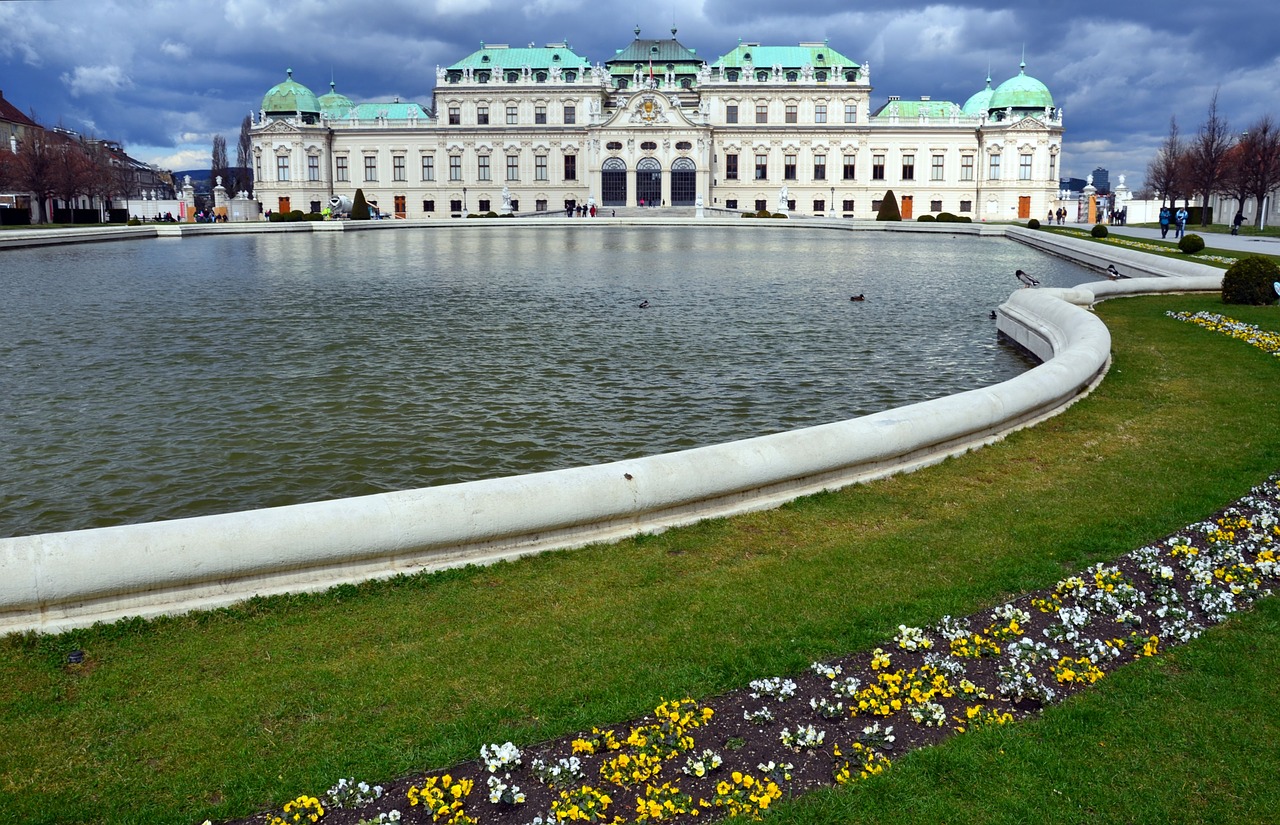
[(101, 182), (1164, 172), (1208, 158), (244, 152), (1258, 169), (219, 165), (33, 168), (71, 173)]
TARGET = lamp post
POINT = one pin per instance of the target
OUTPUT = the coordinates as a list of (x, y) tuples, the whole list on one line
[(833, 202), (464, 199)]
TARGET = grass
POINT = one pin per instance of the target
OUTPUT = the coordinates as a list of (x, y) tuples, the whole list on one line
[(1166, 249), (224, 713)]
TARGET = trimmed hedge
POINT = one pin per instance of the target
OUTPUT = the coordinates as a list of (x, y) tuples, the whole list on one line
[(1099, 231), (889, 208), (1251, 281), (1191, 244), (925, 219), (1033, 224)]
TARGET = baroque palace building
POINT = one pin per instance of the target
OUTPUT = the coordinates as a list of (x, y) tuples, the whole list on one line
[(657, 125)]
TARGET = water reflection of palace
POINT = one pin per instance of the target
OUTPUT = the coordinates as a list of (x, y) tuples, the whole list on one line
[(659, 125)]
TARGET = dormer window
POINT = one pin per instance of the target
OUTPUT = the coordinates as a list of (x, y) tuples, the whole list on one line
[(484, 58)]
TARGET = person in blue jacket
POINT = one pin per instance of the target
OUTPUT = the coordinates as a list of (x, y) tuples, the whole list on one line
[(1165, 215)]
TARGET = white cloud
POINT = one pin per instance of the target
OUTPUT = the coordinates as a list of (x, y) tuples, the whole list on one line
[(195, 158), (462, 8), (178, 51), (92, 80)]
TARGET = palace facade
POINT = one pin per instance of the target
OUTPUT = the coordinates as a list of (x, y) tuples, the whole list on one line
[(658, 125)]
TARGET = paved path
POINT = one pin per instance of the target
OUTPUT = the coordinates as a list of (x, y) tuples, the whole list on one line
[(1237, 243)]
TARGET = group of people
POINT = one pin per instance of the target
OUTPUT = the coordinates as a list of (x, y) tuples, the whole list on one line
[(1178, 219), (167, 217), (582, 210), (1059, 215), (210, 217)]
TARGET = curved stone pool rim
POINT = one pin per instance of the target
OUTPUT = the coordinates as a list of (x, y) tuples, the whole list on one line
[(57, 581)]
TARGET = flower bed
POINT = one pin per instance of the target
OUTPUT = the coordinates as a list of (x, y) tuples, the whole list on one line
[(845, 720)]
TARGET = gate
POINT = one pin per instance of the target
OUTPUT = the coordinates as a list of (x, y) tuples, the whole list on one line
[(613, 183), (684, 182), (648, 182)]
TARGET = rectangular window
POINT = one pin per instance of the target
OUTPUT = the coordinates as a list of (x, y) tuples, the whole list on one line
[(428, 206), (343, 173), (570, 167), (966, 206), (1053, 167), (540, 167), (935, 206), (455, 116), (484, 173), (875, 206), (850, 167), (877, 167), (731, 167), (397, 168), (819, 167), (257, 168), (762, 113), (540, 205), (762, 167), (483, 206), (820, 206), (820, 113), (455, 206), (540, 114), (282, 167), (313, 167), (846, 206), (908, 167), (731, 203), (428, 167), (1024, 167), (455, 167), (482, 115), (792, 113), (850, 113), (994, 172), (789, 167), (570, 114), (935, 172), (760, 205), (370, 167), (513, 167), (513, 115), (966, 167), (731, 113)]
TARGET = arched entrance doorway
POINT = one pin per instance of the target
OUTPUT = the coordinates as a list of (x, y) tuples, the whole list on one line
[(648, 182), (613, 182), (684, 182)]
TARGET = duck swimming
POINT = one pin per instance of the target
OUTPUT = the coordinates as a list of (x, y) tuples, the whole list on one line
[(858, 297)]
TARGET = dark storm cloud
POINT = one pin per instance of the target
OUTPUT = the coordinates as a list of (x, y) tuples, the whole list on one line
[(164, 77)]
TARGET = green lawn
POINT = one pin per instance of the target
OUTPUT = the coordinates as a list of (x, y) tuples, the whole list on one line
[(221, 714)]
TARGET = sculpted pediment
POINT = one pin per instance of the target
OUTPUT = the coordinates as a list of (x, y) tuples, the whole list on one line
[(649, 109), (278, 127)]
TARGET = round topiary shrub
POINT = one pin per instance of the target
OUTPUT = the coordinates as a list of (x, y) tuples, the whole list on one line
[(748, 214), (1033, 224), (1191, 244), (1099, 231), (778, 215), (925, 219), (135, 222), (1251, 281), (947, 217)]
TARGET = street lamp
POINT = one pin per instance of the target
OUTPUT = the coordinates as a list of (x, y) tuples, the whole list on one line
[(464, 199), (833, 201)]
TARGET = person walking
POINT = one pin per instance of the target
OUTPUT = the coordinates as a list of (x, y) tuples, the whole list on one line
[(1235, 223), (1181, 218), (1165, 216)]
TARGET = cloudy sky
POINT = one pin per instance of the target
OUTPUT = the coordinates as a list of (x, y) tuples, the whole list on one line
[(165, 76)]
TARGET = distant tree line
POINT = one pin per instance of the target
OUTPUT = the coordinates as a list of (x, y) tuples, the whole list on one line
[(51, 164), (1216, 162)]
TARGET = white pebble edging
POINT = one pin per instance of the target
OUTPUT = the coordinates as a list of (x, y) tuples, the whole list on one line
[(57, 581)]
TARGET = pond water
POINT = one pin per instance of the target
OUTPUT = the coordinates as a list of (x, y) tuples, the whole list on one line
[(166, 378)]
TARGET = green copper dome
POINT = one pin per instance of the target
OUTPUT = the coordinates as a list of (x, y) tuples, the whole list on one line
[(980, 102), (335, 105), (289, 97), (1021, 92)]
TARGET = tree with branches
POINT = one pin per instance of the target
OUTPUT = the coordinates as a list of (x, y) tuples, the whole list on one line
[(1258, 163), (32, 170), (244, 153), (1208, 158), (219, 164), (1164, 173)]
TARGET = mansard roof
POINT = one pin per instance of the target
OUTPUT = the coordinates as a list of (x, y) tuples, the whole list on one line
[(11, 114), (659, 51), (915, 108), (817, 55), (499, 56)]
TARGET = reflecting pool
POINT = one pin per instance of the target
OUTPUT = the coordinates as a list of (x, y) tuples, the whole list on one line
[(167, 378)]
